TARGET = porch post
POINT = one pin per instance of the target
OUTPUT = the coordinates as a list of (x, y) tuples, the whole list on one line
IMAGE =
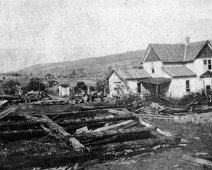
[(157, 91)]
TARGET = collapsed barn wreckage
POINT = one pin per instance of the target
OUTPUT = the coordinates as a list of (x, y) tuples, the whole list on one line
[(51, 136)]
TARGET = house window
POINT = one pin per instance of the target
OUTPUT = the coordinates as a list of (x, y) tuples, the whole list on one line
[(209, 64), (139, 87), (187, 86), (152, 68), (205, 62), (208, 87)]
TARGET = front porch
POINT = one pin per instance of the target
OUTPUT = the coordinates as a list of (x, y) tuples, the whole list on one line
[(156, 86)]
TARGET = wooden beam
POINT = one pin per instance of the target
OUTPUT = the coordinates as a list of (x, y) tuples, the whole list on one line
[(115, 126), (195, 160), (57, 131), (142, 122), (7, 111)]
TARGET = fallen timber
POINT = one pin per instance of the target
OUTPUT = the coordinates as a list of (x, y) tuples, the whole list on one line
[(110, 136), (57, 131), (101, 153), (66, 122), (7, 111)]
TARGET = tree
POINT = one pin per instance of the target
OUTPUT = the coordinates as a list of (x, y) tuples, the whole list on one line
[(35, 84), (10, 87), (80, 86)]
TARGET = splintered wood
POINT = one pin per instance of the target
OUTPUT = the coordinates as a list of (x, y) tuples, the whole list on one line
[(96, 132), (57, 131), (7, 111)]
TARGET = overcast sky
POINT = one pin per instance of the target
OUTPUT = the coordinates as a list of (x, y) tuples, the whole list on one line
[(37, 31)]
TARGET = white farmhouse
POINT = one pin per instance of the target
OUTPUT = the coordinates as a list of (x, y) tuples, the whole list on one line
[(171, 69)]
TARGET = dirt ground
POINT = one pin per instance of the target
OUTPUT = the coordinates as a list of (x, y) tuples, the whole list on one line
[(200, 140)]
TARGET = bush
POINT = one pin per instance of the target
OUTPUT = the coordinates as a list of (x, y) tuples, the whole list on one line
[(80, 86), (10, 87), (35, 84), (200, 97)]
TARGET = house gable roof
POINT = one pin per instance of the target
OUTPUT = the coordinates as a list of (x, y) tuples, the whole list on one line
[(179, 71), (169, 52), (132, 74), (152, 56), (172, 53)]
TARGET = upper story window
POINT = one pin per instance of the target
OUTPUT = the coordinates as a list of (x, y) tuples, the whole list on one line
[(207, 63), (188, 86), (152, 68)]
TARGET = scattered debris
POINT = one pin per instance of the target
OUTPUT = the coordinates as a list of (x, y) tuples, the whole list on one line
[(196, 161), (125, 134)]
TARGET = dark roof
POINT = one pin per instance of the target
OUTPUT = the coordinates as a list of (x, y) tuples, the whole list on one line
[(207, 74), (132, 74), (178, 71), (170, 53), (193, 49), (156, 80), (64, 85)]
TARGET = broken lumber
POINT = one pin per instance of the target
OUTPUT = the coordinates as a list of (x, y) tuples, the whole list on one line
[(195, 160), (112, 136), (144, 143), (58, 131), (3, 104), (142, 122), (97, 119), (7, 111), (112, 132), (118, 125), (63, 134)]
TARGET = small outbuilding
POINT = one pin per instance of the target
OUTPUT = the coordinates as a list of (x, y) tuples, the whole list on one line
[(64, 90)]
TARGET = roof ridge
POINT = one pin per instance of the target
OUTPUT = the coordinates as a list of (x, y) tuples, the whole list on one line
[(180, 43)]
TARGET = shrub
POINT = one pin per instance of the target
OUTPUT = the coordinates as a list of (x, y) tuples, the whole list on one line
[(35, 84), (10, 87), (80, 86)]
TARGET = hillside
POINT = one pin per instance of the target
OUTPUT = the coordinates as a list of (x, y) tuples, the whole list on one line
[(91, 67)]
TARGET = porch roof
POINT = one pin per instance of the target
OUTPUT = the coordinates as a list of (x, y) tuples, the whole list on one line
[(179, 71), (132, 74), (156, 80), (207, 74)]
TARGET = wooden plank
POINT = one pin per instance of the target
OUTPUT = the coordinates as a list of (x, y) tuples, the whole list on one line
[(7, 111), (122, 124), (195, 160), (142, 122), (57, 131)]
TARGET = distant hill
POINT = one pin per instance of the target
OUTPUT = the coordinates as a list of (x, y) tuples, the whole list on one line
[(90, 67)]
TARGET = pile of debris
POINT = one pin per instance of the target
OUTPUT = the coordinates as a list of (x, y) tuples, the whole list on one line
[(194, 114), (80, 134)]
